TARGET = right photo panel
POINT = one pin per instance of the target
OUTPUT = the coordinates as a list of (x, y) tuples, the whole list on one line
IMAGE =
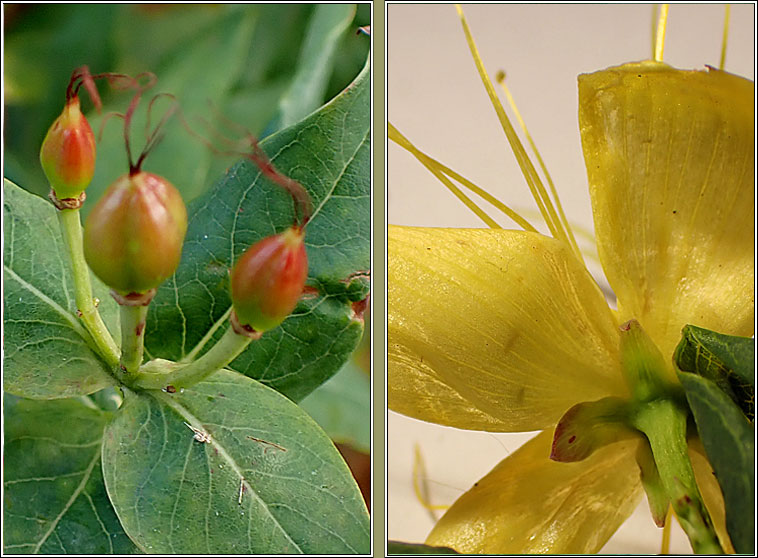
[(570, 268)]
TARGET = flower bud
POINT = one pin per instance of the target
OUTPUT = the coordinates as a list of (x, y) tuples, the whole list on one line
[(268, 279), (133, 237), (68, 152)]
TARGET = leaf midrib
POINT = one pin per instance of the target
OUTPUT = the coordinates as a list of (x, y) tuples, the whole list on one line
[(337, 179), (49, 301), (71, 500), (191, 419)]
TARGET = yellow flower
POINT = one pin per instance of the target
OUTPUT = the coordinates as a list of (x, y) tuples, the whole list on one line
[(505, 331)]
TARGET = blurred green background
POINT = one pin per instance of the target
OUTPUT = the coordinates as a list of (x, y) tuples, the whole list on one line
[(262, 66)]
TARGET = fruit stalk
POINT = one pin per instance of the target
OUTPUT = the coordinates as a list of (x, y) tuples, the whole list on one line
[(133, 309), (229, 347), (71, 227)]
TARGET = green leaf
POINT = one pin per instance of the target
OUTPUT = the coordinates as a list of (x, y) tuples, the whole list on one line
[(342, 407), (329, 154), (47, 350), (726, 360), (54, 499), (728, 438), (307, 89), (267, 481), (396, 547)]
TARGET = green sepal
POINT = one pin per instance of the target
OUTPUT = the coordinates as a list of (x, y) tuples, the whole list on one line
[(657, 498), (589, 426), (664, 423), (642, 362)]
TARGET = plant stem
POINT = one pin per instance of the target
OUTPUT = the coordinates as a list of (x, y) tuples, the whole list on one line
[(71, 228), (207, 337), (132, 337), (664, 422), (220, 355)]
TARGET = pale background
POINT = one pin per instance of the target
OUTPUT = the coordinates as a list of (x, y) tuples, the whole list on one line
[(435, 98)]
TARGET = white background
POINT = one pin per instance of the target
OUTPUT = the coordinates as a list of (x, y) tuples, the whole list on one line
[(435, 98)]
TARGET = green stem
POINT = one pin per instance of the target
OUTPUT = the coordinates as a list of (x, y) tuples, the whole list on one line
[(71, 228), (219, 356), (132, 337), (664, 422), (207, 337)]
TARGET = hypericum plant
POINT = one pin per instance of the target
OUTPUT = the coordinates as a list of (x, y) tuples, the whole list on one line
[(185, 437), (506, 331)]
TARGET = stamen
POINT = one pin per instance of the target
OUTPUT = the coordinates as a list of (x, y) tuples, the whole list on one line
[(527, 168), (653, 27), (403, 142), (420, 486), (725, 37), (660, 35), (581, 232), (398, 138), (500, 77), (666, 538)]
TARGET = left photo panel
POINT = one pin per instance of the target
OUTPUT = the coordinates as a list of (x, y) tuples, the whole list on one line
[(187, 275)]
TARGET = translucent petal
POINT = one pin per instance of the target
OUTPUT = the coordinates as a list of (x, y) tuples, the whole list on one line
[(711, 492), (670, 159), (529, 504), (506, 326)]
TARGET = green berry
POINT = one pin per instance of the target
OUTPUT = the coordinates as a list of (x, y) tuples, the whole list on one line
[(268, 279), (134, 235)]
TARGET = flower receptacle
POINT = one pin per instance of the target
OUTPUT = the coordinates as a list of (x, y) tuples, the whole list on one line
[(268, 279), (133, 238), (68, 152)]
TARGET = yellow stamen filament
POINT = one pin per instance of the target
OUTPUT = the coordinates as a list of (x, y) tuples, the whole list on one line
[(421, 487), (399, 139), (527, 168), (581, 232), (724, 37), (660, 35), (653, 28), (431, 164), (666, 538), (511, 101)]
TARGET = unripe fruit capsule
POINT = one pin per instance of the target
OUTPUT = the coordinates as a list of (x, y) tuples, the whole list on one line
[(133, 237), (68, 152), (268, 279)]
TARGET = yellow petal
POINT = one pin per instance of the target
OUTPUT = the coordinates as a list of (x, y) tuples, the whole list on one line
[(670, 158), (529, 504), (711, 492), (494, 329)]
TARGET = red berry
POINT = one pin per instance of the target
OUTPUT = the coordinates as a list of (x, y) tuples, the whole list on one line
[(133, 238), (68, 152), (268, 279)]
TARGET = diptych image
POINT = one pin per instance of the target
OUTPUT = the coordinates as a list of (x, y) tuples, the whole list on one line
[(378, 278)]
